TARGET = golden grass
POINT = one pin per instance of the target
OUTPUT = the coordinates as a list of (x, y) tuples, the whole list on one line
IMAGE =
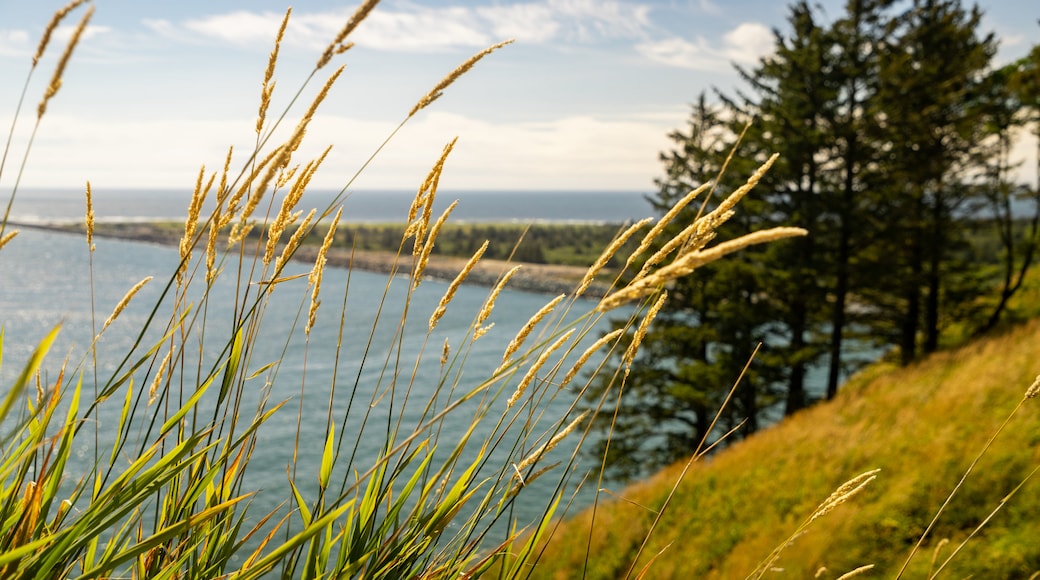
[(55, 84), (124, 302), (442, 306), (340, 44), (532, 371), (89, 219), (438, 89), (525, 331), (608, 253), (920, 425), (319, 269), (686, 263)]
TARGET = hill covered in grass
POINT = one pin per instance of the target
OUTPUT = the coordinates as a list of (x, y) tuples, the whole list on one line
[(922, 426)]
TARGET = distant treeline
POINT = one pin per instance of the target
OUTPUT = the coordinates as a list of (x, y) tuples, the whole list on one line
[(893, 127), (565, 244)]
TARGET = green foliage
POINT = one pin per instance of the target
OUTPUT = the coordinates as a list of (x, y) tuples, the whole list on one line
[(884, 171), (167, 493), (920, 425)]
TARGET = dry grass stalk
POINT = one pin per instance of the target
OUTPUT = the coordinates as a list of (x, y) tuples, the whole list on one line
[(551, 444), (445, 352), (424, 200), (693, 237), (194, 209), (935, 554), (285, 176), (518, 340), (482, 330), (700, 232), (55, 84), (844, 492), (338, 45), (318, 270), (268, 87), (431, 238), (666, 219), (856, 572), (585, 356), (90, 219), (442, 307), (462, 69), (533, 371), (1034, 389), (51, 27), (294, 241), (123, 303), (222, 190), (159, 375), (731, 201), (211, 246), (232, 206), (285, 213), (690, 261), (489, 304), (633, 347), (281, 158), (608, 253), (7, 238)]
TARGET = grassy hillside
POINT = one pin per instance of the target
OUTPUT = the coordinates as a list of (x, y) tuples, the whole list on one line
[(922, 426)]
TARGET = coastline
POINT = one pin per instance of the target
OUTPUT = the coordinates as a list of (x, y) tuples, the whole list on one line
[(538, 278)]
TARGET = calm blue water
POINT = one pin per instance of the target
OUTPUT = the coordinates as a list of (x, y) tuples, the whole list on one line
[(45, 280), (50, 205)]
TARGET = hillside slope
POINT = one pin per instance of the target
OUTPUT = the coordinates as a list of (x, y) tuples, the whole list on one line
[(922, 426)]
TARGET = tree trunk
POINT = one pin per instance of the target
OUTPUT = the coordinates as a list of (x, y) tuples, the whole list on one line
[(933, 297)]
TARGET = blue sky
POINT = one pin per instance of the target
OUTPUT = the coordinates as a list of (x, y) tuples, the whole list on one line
[(583, 100)]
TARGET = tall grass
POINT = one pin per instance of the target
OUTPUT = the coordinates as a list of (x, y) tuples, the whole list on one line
[(167, 493)]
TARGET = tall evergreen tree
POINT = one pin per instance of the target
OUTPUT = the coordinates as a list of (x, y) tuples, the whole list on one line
[(708, 329), (789, 98), (928, 73)]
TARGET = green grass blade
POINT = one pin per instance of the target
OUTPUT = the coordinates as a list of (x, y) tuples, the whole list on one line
[(30, 369)]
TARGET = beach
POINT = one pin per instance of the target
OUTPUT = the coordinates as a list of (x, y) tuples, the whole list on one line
[(540, 278)]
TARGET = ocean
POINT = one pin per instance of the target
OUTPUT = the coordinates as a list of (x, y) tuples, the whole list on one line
[(63, 205), (46, 279)]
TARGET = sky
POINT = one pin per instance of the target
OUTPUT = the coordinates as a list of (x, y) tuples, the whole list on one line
[(583, 99)]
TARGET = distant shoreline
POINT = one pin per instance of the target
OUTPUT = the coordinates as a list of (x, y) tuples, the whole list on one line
[(538, 278)]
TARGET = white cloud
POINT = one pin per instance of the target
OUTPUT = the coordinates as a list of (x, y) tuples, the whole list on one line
[(575, 152), (525, 22), (240, 27), (748, 43), (709, 7), (14, 43), (63, 34), (410, 27), (744, 45), (423, 29)]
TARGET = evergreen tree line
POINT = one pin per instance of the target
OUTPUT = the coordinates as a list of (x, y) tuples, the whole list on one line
[(893, 128)]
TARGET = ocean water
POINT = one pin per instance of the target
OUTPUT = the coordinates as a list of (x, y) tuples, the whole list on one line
[(51, 205), (46, 279)]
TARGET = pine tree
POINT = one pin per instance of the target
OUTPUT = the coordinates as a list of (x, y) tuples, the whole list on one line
[(706, 332)]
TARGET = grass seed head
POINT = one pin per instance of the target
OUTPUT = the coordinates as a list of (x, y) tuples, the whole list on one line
[(444, 83), (124, 302), (489, 304), (52, 26), (55, 84), (339, 44), (90, 219), (318, 270), (442, 307), (538, 363), (7, 238), (608, 253), (1033, 389)]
